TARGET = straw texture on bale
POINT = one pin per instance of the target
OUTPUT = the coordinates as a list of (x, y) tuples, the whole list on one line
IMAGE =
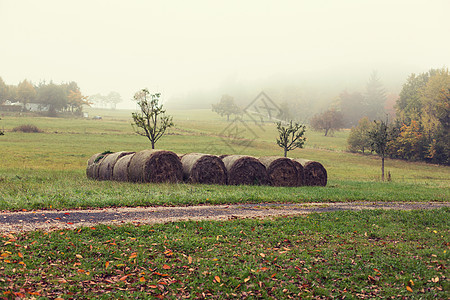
[(105, 170), (300, 171), (315, 173), (155, 166), (203, 168), (120, 169), (281, 171), (93, 169), (90, 165), (244, 169)]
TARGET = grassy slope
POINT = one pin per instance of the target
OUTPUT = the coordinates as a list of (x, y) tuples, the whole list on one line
[(352, 254), (46, 170)]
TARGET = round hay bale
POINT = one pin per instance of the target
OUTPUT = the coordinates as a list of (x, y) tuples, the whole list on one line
[(155, 166), (315, 173), (300, 171), (281, 171), (92, 169), (120, 169), (90, 165), (203, 168), (105, 170), (244, 169)]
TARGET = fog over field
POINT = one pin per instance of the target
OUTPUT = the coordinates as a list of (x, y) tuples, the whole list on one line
[(195, 51)]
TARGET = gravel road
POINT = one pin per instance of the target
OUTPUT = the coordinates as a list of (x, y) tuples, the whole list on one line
[(47, 220)]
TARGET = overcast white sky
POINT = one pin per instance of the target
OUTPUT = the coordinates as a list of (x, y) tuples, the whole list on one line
[(179, 46)]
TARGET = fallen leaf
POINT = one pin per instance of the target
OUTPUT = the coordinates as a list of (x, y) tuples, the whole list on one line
[(133, 255), (190, 259), (34, 293), (262, 269), (435, 279), (142, 279), (20, 255), (107, 264), (247, 279), (409, 288), (217, 278), (166, 267), (262, 255), (78, 256)]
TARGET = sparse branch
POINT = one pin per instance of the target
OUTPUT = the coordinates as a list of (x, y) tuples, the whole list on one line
[(290, 137), (151, 121)]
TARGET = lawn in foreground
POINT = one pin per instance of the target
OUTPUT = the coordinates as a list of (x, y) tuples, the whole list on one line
[(354, 254), (38, 189)]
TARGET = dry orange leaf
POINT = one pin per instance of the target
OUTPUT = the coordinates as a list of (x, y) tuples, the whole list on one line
[(166, 267), (190, 259), (20, 255), (217, 278), (133, 255), (79, 256), (107, 264), (247, 279), (142, 279), (409, 288), (262, 255)]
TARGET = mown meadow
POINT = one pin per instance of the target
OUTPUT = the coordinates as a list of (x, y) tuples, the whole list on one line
[(47, 170), (353, 254)]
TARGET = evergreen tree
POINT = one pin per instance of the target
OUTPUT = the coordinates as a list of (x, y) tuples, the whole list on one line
[(375, 97)]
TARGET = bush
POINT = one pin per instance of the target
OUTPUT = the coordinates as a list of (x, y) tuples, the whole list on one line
[(28, 128)]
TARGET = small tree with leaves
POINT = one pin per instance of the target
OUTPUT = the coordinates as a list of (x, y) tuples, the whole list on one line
[(226, 107), (358, 139), (291, 136), (328, 121), (151, 121), (379, 139)]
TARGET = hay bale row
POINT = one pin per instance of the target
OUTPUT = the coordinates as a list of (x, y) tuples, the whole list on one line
[(165, 166)]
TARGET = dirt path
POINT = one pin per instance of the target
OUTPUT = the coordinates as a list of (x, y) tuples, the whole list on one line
[(53, 219)]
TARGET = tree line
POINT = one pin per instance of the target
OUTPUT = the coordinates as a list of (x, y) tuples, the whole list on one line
[(421, 128), (64, 97)]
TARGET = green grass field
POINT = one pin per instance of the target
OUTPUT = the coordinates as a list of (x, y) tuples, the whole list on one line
[(369, 254), (43, 170)]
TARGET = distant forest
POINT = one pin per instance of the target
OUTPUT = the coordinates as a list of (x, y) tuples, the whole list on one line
[(51, 98)]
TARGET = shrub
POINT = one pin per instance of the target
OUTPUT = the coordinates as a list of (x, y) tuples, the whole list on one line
[(28, 128)]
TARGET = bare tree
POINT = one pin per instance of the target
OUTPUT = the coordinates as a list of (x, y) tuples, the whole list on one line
[(151, 121)]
